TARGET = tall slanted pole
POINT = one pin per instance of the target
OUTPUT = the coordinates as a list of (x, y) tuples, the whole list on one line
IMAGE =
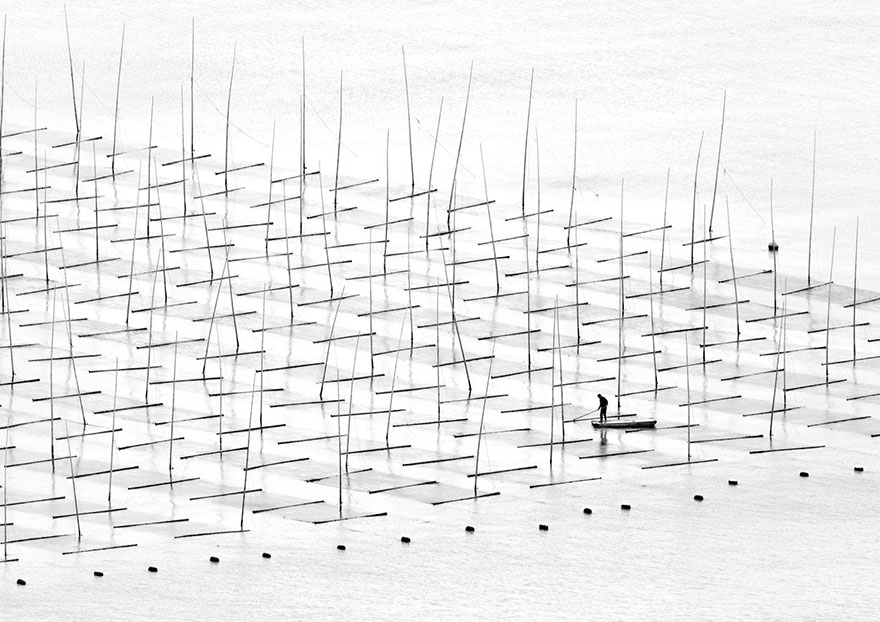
[(663, 233), (491, 232), (855, 285), (717, 163), (116, 107), (694, 205), (183, 151), (412, 166), (553, 346), (192, 99), (3, 100), (302, 119), (828, 308), (526, 146), (394, 379), (773, 244), (653, 337), (573, 176), (779, 348), (687, 375), (226, 139), (69, 63), (174, 406), (271, 171), (149, 171), (467, 100), (538, 214), (324, 226), (387, 203), (431, 176), (620, 318), (247, 452), (483, 419), (112, 433), (733, 270), (338, 148), (812, 197), (705, 287)]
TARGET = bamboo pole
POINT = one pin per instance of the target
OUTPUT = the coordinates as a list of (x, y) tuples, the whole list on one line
[(491, 231), (653, 336), (573, 178), (247, 452), (733, 270), (112, 433), (183, 152), (204, 218), (387, 203), (72, 483), (812, 197), (561, 381), (437, 346), (412, 166), (302, 167), (324, 225), (287, 250), (262, 352), (302, 123), (228, 110), (773, 248), (526, 146), (269, 204), (394, 378), (553, 345), (705, 282), (330, 341), (855, 286), (52, 382), (192, 106), (370, 298), (149, 172), (620, 298), (69, 62), (538, 229), (663, 233), (687, 376), (431, 176), (482, 420), (828, 308), (339, 437), (173, 407), (357, 342), (116, 106), (717, 163), (338, 152), (694, 206), (452, 189), (95, 187)]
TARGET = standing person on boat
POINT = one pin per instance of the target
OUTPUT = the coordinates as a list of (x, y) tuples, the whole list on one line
[(603, 407)]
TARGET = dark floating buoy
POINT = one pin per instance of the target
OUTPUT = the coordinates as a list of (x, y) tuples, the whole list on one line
[(469, 529), (98, 573), (405, 539), (588, 511), (21, 582), (859, 469), (267, 556), (804, 474), (340, 547), (732, 482), (625, 506), (698, 497), (215, 560), (153, 569), (543, 527)]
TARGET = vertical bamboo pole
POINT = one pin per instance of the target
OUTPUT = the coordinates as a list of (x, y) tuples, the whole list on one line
[(717, 163), (431, 175), (228, 109), (733, 270), (694, 206), (452, 190), (338, 150), (573, 177), (812, 197), (116, 106), (412, 166), (526, 146)]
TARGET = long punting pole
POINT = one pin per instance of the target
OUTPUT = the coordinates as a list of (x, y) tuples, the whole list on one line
[(302, 166), (387, 205), (577, 287), (653, 337), (694, 205), (561, 381), (324, 226), (620, 317), (113, 432), (228, 110), (287, 249), (705, 281), (733, 269), (526, 146), (828, 308), (192, 100), (780, 346), (116, 107), (687, 376), (483, 419), (538, 230), (394, 377), (357, 343), (412, 166), (573, 179), (149, 171), (812, 196), (271, 171), (773, 244), (302, 120), (663, 233), (452, 189), (173, 406), (338, 149), (855, 284), (553, 346), (183, 150), (69, 63), (431, 176), (491, 232), (247, 451), (717, 164)]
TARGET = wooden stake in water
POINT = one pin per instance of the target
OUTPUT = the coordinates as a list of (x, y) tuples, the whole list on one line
[(113, 432), (173, 406), (573, 179), (620, 298), (773, 245), (437, 346), (287, 249), (324, 225), (357, 343), (370, 298), (687, 376), (491, 232), (182, 152), (69, 62), (663, 233), (528, 306), (226, 140), (538, 229), (204, 218), (36, 164), (394, 379), (452, 189), (577, 288), (387, 203), (116, 106), (262, 352), (705, 287), (302, 175), (192, 102), (717, 164), (653, 337), (431, 176), (526, 145), (828, 309), (483, 419), (72, 483), (812, 197), (269, 204), (733, 269), (694, 206), (52, 381), (855, 286), (339, 437), (95, 187), (338, 151), (412, 166), (247, 452), (561, 381), (553, 345), (779, 349), (149, 172), (330, 342)]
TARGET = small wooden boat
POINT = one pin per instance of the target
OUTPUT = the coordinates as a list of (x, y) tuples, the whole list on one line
[(626, 425)]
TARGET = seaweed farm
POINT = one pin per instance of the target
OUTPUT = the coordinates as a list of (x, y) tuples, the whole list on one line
[(242, 376)]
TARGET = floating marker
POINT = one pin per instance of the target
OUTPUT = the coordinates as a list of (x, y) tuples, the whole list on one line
[(732, 482), (625, 506), (804, 474), (98, 573), (405, 540), (153, 569), (215, 560), (544, 527), (469, 529), (698, 497), (859, 469), (21, 582), (267, 556), (588, 511), (340, 547)]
